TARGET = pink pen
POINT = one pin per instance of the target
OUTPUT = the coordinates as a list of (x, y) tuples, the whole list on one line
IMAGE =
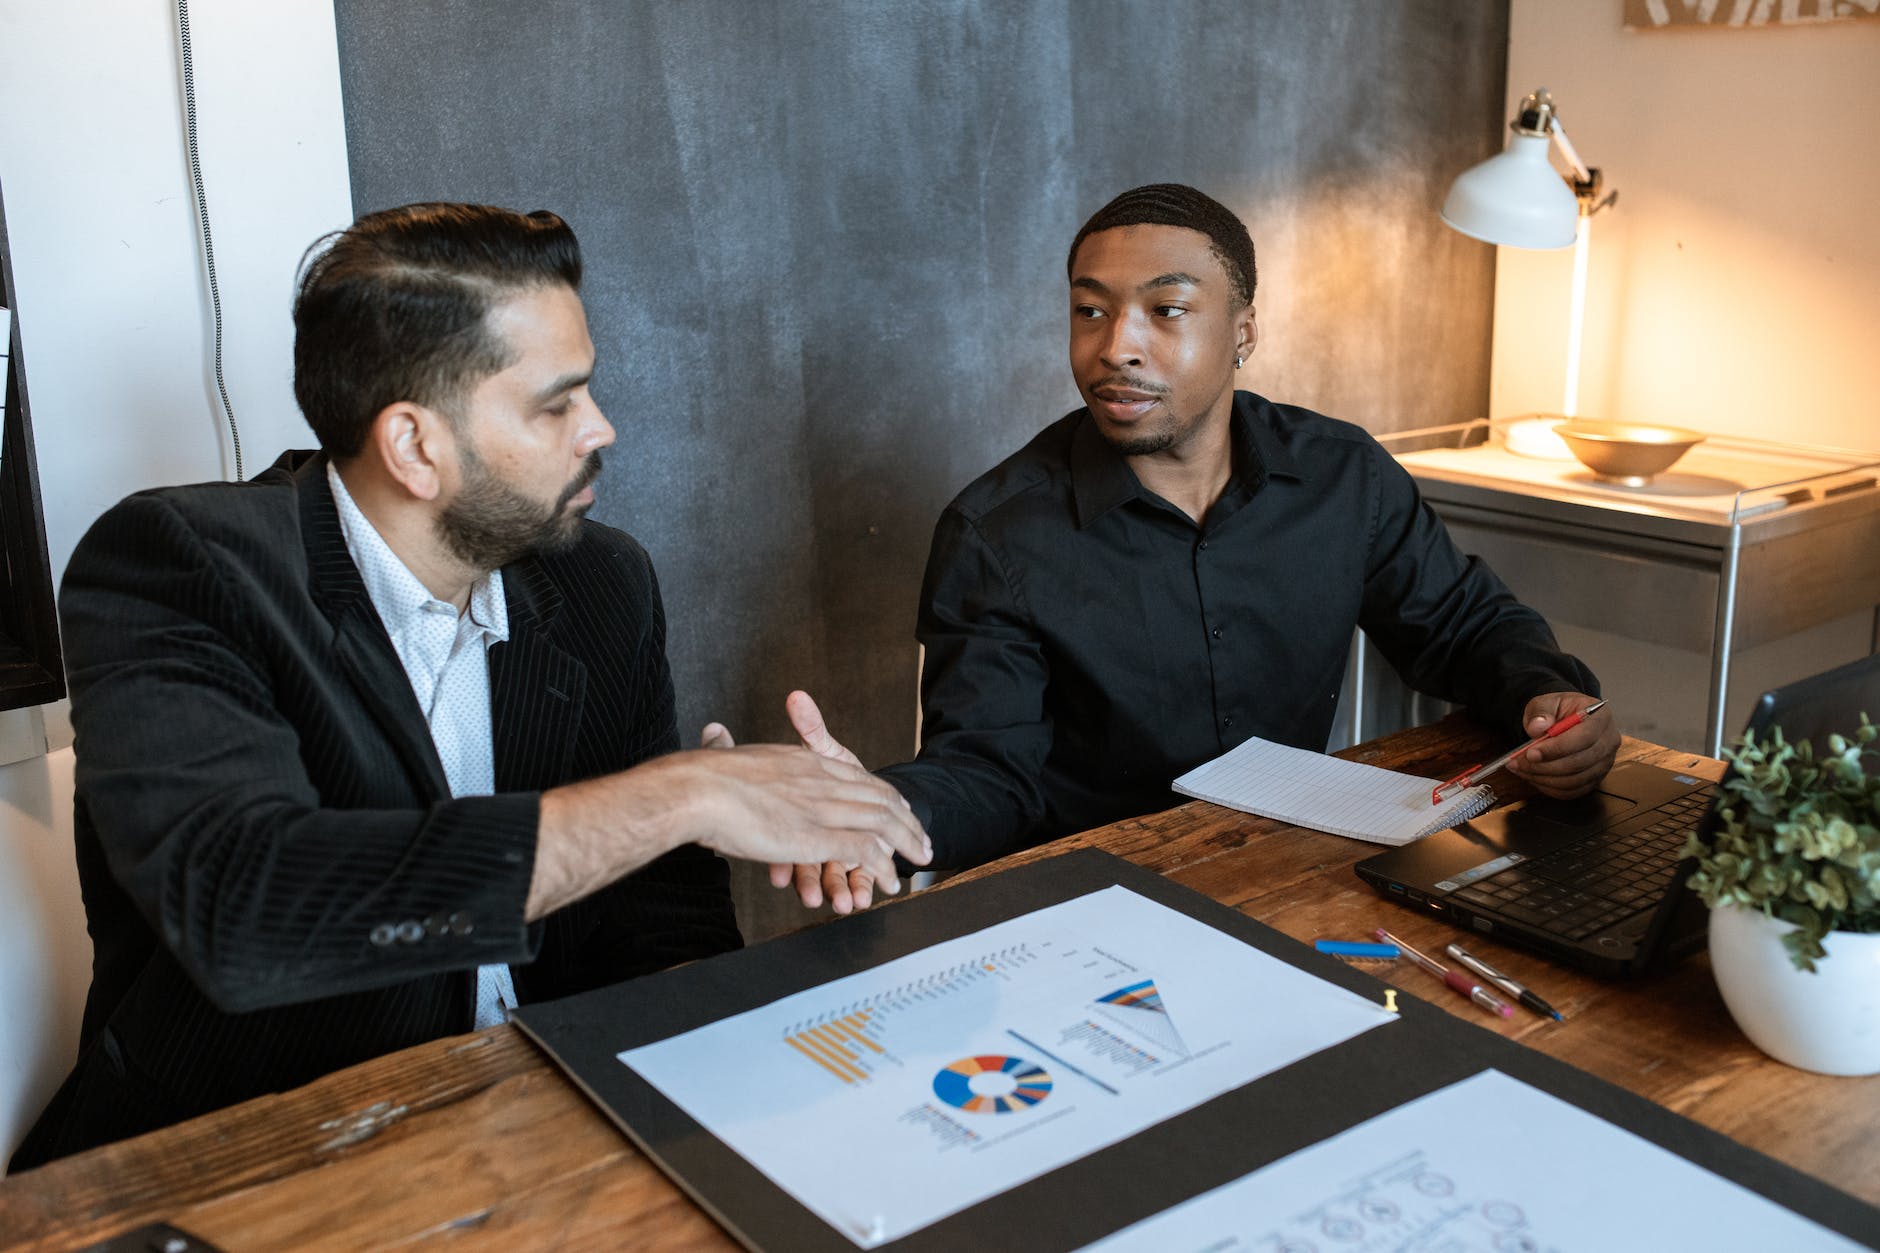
[(1475, 774), (1454, 978)]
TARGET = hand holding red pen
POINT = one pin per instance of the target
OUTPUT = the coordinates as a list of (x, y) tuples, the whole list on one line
[(1573, 762), (1570, 752)]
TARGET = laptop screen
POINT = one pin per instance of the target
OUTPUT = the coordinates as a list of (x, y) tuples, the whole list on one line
[(1825, 704)]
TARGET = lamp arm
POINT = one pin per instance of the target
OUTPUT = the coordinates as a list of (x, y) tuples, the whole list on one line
[(1586, 181), (1580, 173)]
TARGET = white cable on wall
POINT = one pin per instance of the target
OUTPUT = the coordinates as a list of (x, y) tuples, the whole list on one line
[(202, 220)]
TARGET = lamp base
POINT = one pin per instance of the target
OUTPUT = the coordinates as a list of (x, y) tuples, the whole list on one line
[(1533, 436)]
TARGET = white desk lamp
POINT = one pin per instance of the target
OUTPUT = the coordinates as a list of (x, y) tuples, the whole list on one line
[(1517, 198)]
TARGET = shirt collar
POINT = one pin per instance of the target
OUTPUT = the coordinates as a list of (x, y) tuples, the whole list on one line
[(1259, 452), (395, 591), (1101, 479)]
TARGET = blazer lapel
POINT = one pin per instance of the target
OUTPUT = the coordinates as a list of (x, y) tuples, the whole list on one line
[(363, 649), (537, 688)]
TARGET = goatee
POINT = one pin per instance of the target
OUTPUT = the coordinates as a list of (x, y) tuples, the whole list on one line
[(1141, 444), (490, 524)]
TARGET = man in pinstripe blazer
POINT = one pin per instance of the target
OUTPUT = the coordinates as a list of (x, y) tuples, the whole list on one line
[(383, 739)]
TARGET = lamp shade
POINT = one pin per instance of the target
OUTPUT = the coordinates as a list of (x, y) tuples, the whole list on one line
[(1515, 197)]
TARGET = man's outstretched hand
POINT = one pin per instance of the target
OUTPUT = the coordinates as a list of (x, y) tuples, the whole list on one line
[(846, 885), (774, 803)]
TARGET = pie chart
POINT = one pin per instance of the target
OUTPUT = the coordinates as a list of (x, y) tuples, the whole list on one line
[(992, 1083)]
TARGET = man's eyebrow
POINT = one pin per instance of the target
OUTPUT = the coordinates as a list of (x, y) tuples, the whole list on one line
[(566, 383), (1174, 278)]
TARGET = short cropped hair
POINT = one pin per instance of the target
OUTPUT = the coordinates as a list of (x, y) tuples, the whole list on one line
[(1173, 204), (395, 308)]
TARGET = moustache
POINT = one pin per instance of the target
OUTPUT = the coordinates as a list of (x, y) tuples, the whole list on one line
[(1130, 384)]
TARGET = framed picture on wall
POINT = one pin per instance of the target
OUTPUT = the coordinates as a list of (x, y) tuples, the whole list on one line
[(1659, 14)]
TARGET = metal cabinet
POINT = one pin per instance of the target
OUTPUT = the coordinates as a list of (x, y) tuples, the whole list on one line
[(1741, 542)]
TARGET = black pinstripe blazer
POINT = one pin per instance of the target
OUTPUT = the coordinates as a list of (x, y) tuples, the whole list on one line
[(276, 879)]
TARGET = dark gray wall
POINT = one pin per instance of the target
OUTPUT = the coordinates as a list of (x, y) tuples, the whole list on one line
[(825, 247)]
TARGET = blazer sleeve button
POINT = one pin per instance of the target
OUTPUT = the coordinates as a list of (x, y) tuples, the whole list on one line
[(383, 934), (460, 924), (410, 931), (436, 925)]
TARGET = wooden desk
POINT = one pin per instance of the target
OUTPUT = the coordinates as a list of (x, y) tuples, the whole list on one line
[(480, 1141)]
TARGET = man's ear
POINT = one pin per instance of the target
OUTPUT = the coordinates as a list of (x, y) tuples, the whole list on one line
[(415, 446), (1246, 333)]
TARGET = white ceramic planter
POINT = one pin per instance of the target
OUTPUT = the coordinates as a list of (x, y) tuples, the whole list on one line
[(1828, 1021)]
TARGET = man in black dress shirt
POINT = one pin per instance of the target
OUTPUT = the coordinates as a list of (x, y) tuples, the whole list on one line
[(1178, 566)]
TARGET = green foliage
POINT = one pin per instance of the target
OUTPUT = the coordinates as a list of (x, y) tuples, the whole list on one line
[(1799, 837)]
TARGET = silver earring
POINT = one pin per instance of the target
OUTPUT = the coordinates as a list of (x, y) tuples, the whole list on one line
[(1237, 361)]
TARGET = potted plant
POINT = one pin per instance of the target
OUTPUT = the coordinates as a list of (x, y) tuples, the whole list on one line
[(1792, 877)]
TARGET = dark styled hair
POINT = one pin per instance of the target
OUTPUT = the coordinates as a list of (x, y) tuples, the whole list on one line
[(395, 308), (1172, 204)]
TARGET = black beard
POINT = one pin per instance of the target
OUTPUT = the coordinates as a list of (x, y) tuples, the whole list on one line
[(491, 524)]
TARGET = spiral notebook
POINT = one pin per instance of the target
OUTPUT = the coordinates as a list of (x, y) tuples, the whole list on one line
[(1328, 793)]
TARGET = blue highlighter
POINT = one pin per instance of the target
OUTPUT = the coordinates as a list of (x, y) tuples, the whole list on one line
[(1353, 948)]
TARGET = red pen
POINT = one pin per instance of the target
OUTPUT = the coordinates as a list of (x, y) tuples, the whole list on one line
[(1474, 774)]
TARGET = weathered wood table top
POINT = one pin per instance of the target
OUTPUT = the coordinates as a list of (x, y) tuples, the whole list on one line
[(478, 1140)]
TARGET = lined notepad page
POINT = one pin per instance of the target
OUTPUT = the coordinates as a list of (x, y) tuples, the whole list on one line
[(1328, 793)]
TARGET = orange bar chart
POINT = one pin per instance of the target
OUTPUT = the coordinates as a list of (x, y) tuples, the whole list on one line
[(842, 1046)]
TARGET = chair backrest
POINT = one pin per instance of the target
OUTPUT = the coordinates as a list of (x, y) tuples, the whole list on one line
[(45, 951), (920, 669)]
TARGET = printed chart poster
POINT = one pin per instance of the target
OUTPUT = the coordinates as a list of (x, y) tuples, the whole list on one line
[(890, 1099), (1458, 1171)]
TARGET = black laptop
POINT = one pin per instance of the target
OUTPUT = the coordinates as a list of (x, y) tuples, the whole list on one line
[(1596, 883)]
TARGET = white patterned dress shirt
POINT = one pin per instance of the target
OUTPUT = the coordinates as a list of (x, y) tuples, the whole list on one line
[(446, 656)]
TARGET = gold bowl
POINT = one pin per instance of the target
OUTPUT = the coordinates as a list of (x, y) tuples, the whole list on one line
[(1629, 453)]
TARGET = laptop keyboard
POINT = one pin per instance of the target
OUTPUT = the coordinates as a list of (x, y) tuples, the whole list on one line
[(1580, 889)]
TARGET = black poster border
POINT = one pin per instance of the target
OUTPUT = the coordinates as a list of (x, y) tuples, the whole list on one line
[(1163, 1165)]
